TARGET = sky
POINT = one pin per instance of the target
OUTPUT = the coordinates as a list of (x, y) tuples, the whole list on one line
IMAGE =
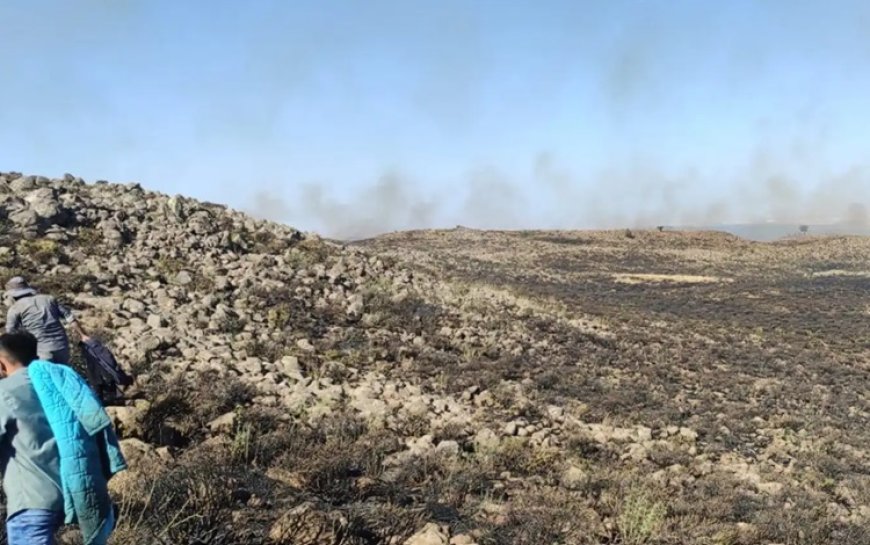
[(360, 116)]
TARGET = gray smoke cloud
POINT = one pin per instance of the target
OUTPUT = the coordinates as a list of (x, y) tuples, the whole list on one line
[(637, 69), (552, 196), (391, 203)]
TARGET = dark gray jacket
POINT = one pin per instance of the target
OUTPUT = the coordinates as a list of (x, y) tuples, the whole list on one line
[(44, 318)]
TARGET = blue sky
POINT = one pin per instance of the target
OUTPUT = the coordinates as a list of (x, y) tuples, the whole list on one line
[(352, 117)]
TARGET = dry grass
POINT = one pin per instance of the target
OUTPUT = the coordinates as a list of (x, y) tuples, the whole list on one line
[(640, 278), (840, 272)]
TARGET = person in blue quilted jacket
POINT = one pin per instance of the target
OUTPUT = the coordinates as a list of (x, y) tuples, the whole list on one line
[(28, 451), (42, 493)]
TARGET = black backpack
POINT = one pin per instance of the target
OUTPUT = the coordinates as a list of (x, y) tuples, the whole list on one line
[(104, 373)]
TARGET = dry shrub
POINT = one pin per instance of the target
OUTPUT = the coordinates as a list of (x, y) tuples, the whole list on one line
[(445, 484), (665, 455), (807, 523), (383, 522), (213, 396), (310, 524), (314, 250), (180, 409), (411, 424), (520, 458), (334, 457), (719, 497), (544, 516), (189, 502)]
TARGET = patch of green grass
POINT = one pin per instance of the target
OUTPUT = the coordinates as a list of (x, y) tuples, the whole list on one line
[(641, 517), (40, 250)]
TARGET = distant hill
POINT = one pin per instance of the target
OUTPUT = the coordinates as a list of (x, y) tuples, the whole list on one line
[(766, 232)]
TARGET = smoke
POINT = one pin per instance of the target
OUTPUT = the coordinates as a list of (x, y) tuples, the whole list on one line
[(390, 203), (857, 215), (551, 195)]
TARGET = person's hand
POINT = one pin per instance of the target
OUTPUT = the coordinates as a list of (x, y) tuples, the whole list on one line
[(85, 338)]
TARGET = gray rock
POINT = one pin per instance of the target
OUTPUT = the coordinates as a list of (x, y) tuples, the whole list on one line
[(431, 534), (134, 306), (44, 203), (305, 344), (688, 434), (128, 421), (574, 478), (24, 218), (183, 278), (448, 448), (223, 424), (486, 440), (136, 451), (155, 321), (289, 365), (356, 306), (23, 183), (251, 366)]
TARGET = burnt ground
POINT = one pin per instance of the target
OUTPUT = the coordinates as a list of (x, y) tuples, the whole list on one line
[(745, 343)]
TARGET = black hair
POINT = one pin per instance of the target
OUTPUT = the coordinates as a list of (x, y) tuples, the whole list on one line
[(21, 345)]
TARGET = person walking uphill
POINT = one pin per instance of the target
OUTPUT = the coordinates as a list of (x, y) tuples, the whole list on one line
[(44, 318), (57, 449)]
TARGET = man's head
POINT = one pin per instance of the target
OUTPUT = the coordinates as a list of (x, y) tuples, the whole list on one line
[(17, 350), (18, 287)]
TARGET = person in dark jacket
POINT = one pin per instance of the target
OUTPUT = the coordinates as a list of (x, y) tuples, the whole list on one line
[(104, 374), (43, 317)]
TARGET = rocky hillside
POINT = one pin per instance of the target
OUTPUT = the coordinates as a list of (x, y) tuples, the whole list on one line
[(461, 387)]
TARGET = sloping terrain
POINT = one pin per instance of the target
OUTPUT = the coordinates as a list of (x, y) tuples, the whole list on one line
[(462, 386)]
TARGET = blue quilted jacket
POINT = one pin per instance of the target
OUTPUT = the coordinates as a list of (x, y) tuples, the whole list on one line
[(87, 444)]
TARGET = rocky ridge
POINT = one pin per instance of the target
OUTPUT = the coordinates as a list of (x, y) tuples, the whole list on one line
[(357, 398)]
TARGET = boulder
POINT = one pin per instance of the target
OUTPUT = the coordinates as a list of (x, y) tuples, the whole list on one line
[(431, 534), (137, 452), (155, 321), (44, 203), (574, 478), (223, 424), (306, 524), (183, 278), (486, 440), (129, 421), (23, 183)]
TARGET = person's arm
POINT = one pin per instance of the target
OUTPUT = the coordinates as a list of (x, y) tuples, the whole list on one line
[(12, 319), (5, 416), (80, 331), (70, 319)]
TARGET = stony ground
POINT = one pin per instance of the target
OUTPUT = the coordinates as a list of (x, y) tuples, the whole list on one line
[(462, 386)]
